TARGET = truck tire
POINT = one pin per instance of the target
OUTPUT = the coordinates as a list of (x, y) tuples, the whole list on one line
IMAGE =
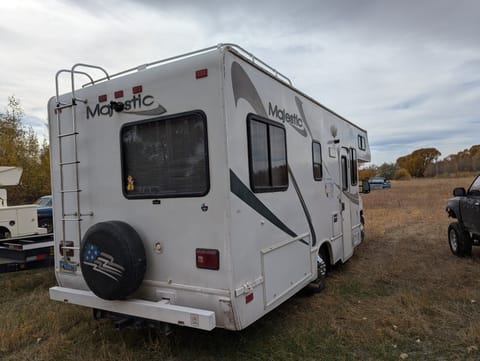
[(459, 241), (112, 259), (5, 233), (46, 223)]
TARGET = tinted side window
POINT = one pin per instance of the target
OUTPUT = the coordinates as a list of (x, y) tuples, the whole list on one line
[(259, 154), (362, 144), (353, 167), (317, 161), (165, 157), (267, 154), (344, 173)]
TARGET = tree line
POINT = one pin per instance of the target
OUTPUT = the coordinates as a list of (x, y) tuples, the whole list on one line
[(425, 162), (20, 147)]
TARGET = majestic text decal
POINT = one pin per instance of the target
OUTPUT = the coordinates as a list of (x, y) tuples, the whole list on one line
[(136, 105), (293, 119)]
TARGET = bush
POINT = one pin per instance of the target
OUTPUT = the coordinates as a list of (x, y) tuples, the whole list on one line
[(402, 174)]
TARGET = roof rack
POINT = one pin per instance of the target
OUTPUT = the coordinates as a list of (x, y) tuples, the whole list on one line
[(237, 49), (256, 61)]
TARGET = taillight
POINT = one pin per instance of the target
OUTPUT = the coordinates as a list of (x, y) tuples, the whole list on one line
[(63, 248), (207, 258)]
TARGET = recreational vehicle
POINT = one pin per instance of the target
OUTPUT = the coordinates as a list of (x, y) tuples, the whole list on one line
[(202, 190)]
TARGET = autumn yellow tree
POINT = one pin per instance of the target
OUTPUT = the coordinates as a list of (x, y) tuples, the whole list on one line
[(368, 172), (19, 146), (417, 162)]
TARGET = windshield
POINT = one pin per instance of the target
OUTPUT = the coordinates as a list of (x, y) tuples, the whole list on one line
[(44, 202)]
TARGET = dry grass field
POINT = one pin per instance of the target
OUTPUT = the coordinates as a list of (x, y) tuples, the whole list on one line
[(402, 296)]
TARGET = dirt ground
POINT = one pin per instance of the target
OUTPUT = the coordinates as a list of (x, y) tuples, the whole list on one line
[(403, 295)]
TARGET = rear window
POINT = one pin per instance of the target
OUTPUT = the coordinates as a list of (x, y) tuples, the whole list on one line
[(166, 157)]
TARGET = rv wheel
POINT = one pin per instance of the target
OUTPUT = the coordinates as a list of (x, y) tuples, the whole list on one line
[(112, 259)]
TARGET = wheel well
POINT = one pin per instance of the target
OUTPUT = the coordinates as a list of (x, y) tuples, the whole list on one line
[(325, 251), (3, 230), (451, 213)]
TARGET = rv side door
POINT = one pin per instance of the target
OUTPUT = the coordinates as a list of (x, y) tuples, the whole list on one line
[(345, 203)]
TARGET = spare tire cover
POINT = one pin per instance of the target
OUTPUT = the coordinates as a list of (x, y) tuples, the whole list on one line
[(112, 259)]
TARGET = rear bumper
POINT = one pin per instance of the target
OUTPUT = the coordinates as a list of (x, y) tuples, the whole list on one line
[(159, 311)]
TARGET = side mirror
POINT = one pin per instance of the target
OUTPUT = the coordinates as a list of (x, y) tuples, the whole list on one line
[(365, 186), (459, 192)]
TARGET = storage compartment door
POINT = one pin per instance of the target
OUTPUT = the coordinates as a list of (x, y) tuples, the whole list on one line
[(285, 265)]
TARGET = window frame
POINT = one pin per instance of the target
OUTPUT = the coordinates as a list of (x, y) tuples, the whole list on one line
[(474, 189), (344, 172), (314, 142), (353, 167), (123, 167), (362, 143), (269, 123)]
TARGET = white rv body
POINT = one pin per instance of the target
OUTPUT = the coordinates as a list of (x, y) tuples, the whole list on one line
[(265, 238)]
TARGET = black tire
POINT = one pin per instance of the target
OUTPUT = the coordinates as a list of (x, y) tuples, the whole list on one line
[(318, 285), (4, 233), (323, 253), (459, 241), (46, 223), (362, 227), (112, 259)]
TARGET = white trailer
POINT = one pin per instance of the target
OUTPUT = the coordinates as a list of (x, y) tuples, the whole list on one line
[(199, 190)]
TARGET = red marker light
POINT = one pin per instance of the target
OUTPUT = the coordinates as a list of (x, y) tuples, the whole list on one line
[(202, 73), (207, 258), (118, 94), (137, 89), (249, 298), (102, 98)]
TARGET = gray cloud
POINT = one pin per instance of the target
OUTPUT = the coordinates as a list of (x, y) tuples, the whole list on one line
[(407, 71)]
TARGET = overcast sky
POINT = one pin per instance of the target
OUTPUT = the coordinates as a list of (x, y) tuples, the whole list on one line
[(407, 71)]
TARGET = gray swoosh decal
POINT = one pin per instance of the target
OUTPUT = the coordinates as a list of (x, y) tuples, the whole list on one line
[(155, 111), (244, 88), (302, 114), (304, 206), (245, 194)]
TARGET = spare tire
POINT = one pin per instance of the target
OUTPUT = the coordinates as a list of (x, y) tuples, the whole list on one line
[(112, 259)]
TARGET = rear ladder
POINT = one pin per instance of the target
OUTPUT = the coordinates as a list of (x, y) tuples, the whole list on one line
[(70, 188)]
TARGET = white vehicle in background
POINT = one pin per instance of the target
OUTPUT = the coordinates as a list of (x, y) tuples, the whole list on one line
[(202, 190), (22, 242), (16, 221)]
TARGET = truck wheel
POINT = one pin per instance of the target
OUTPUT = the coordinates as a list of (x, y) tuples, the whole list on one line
[(4, 233), (459, 241), (47, 223), (112, 259)]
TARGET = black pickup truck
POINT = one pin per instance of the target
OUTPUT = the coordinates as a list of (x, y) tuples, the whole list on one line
[(465, 207)]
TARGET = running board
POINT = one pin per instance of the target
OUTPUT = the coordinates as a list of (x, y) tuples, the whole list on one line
[(159, 311)]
